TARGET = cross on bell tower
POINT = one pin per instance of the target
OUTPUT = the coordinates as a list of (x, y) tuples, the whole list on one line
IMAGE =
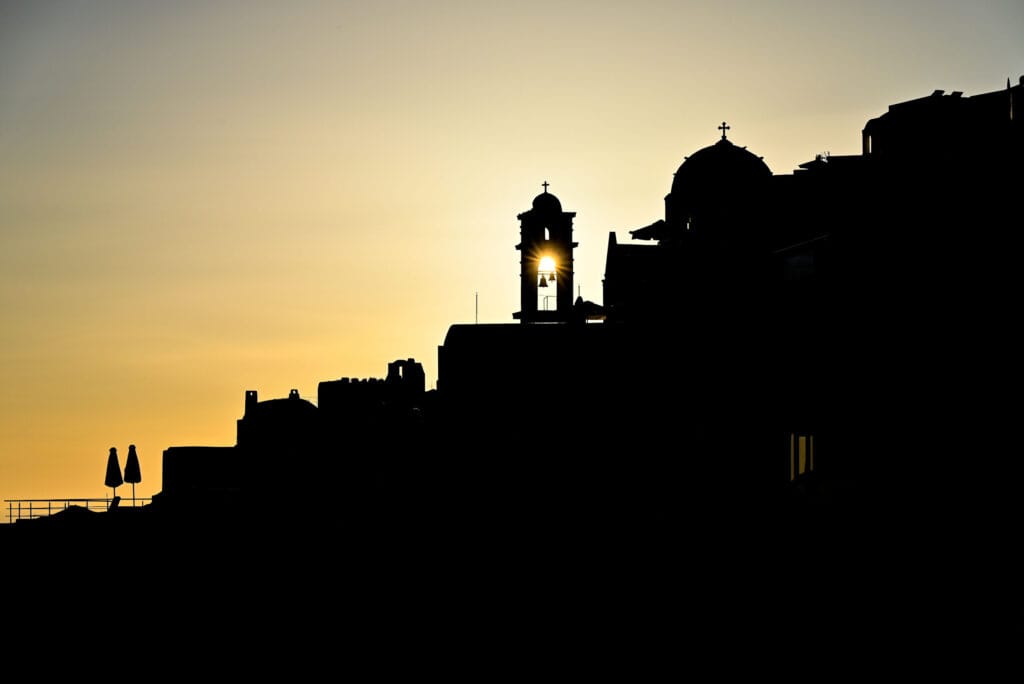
[(545, 260), (724, 127)]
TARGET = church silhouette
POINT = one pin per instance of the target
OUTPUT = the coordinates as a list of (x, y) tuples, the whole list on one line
[(826, 335)]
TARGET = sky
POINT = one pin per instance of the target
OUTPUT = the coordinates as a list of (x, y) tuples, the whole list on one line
[(201, 198)]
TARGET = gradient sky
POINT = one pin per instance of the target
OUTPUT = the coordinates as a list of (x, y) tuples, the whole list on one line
[(199, 198)]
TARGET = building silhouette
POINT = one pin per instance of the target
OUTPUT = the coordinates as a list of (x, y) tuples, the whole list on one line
[(763, 340), (818, 333), (829, 334), (292, 440)]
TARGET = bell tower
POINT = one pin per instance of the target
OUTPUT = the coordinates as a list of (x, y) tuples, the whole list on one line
[(545, 259)]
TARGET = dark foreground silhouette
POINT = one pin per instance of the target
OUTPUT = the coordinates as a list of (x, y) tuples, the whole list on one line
[(828, 336)]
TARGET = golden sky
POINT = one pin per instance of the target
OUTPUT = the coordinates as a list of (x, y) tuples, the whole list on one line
[(199, 198)]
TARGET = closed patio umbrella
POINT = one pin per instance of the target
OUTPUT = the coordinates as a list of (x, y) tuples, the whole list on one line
[(113, 479), (132, 471)]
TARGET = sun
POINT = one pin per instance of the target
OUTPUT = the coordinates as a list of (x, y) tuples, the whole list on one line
[(547, 265)]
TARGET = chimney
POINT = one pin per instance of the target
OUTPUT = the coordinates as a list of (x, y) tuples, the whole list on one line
[(251, 399)]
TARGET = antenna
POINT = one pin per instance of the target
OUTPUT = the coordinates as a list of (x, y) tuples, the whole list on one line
[(476, 308)]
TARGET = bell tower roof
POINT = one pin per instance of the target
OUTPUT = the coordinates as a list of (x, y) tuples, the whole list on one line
[(546, 202)]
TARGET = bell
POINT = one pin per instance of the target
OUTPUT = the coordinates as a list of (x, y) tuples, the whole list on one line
[(542, 283), (551, 277)]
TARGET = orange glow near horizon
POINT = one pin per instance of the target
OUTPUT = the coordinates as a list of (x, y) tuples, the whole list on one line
[(199, 199)]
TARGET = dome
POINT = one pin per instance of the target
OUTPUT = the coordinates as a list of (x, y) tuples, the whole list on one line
[(283, 407), (276, 422), (547, 202), (294, 407), (719, 167)]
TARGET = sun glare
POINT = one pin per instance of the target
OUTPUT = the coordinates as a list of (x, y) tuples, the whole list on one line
[(547, 264)]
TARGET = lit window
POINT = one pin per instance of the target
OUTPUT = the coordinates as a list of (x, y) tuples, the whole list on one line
[(801, 455)]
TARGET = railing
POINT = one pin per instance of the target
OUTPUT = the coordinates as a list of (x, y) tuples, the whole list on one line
[(27, 509)]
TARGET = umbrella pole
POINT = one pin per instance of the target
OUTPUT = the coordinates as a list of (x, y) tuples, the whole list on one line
[(133, 495)]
